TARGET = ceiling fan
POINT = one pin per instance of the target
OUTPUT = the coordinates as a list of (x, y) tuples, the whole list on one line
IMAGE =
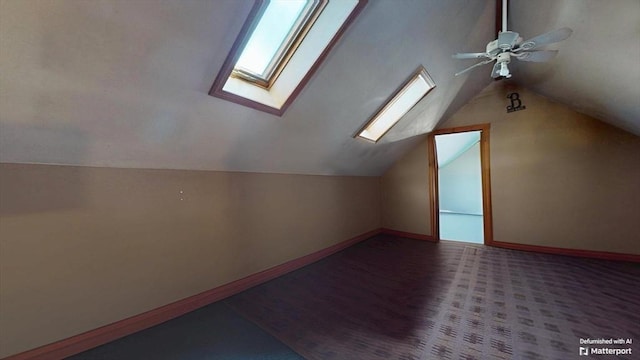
[(509, 45)]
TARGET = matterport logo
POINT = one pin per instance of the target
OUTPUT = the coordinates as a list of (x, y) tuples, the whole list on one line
[(619, 347)]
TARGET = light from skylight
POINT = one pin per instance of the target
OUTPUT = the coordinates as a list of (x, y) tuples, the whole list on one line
[(398, 106), (271, 36), (280, 46)]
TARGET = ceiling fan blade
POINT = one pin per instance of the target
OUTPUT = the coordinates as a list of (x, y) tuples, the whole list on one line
[(470, 55), (473, 67), (545, 39), (537, 56), (507, 39)]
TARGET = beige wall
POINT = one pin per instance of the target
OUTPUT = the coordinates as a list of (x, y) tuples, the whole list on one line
[(559, 178), (405, 193), (82, 247)]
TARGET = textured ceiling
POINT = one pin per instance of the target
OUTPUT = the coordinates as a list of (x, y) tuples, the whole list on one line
[(124, 83)]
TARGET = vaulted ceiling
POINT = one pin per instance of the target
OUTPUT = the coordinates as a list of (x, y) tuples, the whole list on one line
[(124, 83), (597, 71)]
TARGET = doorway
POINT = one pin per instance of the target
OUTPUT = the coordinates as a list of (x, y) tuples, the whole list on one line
[(460, 185)]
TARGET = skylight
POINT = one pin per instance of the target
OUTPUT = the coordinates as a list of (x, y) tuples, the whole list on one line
[(404, 100), (277, 29), (280, 46)]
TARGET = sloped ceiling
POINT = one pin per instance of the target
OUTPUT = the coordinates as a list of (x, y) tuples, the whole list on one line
[(452, 146), (124, 83), (597, 71)]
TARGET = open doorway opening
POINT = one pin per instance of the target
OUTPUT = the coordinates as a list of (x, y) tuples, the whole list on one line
[(459, 172), (460, 190)]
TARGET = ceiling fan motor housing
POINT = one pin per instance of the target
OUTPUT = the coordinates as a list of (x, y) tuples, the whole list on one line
[(504, 57)]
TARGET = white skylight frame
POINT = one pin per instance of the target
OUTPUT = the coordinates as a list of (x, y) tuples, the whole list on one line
[(409, 94), (327, 28)]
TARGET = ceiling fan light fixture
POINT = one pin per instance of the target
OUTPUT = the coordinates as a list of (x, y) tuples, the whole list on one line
[(504, 70)]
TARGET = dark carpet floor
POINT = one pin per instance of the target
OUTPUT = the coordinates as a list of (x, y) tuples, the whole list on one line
[(213, 332), (394, 298)]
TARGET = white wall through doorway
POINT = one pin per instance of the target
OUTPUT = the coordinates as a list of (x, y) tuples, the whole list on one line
[(460, 187)]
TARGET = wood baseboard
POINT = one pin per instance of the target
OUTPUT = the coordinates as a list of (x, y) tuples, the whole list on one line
[(90, 339), (603, 255), (409, 235)]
